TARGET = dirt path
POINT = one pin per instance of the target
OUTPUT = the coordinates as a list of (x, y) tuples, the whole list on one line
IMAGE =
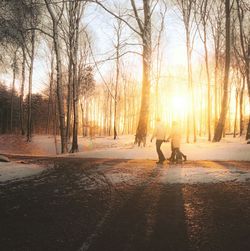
[(123, 205)]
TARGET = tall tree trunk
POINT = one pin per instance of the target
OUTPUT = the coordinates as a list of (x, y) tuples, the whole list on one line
[(224, 105), (116, 81), (125, 122), (83, 114), (55, 122), (50, 90), (208, 88), (236, 111), (77, 10), (245, 47), (248, 86), (141, 131), (29, 120), (69, 99), (110, 115), (12, 92), (59, 78), (190, 89), (22, 92), (216, 87), (241, 106), (74, 147), (87, 116)]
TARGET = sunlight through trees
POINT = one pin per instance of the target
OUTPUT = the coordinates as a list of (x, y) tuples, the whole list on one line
[(96, 67)]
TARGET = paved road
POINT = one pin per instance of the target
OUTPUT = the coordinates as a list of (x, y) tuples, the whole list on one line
[(123, 205)]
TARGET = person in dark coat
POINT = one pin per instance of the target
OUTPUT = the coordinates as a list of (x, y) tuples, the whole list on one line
[(159, 133)]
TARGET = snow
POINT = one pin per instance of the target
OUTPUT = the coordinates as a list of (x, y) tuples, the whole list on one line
[(194, 175), (228, 149), (175, 174), (13, 170), (124, 148)]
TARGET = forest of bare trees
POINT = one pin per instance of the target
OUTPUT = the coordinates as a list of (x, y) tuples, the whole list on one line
[(105, 68)]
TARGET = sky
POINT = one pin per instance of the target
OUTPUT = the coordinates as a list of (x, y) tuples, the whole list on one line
[(100, 24)]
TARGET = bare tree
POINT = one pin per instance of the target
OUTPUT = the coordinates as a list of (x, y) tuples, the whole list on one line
[(216, 19), (243, 7), (14, 73), (187, 7), (142, 15), (224, 105), (75, 13), (56, 14), (203, 8), (21, 115), (241, 105), (118, 31), (159, 56), (31, 66)]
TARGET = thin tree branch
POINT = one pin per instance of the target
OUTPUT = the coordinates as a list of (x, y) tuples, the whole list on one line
[(137, 16), (115, 15)]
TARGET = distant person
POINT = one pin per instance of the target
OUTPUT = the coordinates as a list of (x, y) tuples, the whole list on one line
[(159, 133), (175, 136)]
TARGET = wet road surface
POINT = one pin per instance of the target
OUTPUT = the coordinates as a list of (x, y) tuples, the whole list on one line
[(119, 205)]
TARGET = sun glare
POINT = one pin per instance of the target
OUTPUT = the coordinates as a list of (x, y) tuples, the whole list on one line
[(179, 105)]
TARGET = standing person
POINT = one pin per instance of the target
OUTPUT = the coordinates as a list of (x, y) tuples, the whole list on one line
[(175, 137), (159, 133)]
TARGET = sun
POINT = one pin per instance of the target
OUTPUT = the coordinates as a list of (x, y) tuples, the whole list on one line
[(179, 104)]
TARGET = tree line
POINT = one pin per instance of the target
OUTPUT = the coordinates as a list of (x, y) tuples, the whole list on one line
[(120, 104)]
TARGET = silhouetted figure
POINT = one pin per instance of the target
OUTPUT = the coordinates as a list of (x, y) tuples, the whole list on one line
[(159, 133), (175, 136)]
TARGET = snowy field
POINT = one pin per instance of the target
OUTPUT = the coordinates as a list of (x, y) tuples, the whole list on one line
[(123, 148), (229, 149)]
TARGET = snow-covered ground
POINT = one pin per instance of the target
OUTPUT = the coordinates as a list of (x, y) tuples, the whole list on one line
[(196, 175), (189, 175), (123, 148), (13, 170)]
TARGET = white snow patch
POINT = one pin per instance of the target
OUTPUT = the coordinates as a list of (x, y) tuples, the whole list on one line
[(194, 175), (13, 170), (117, 178)]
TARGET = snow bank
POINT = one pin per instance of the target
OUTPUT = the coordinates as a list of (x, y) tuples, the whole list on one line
[(13, 170)]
